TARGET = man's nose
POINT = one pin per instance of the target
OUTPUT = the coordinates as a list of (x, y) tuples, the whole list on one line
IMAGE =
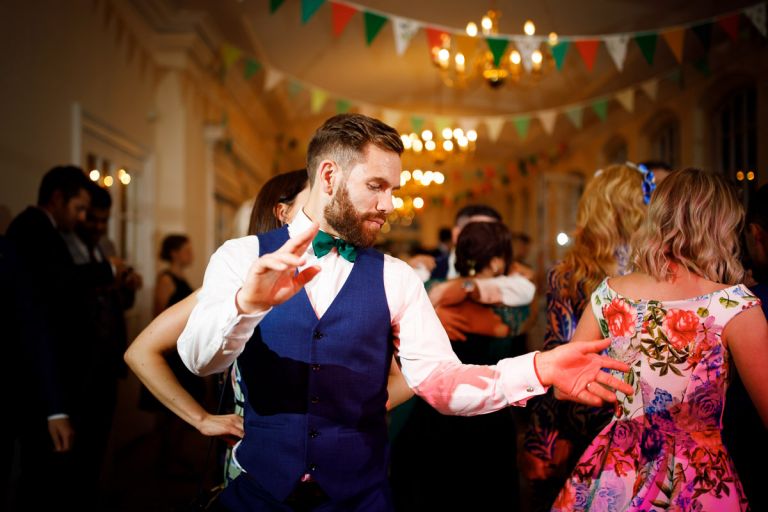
[(385, 203)]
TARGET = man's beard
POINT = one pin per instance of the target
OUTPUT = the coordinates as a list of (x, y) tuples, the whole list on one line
[(342, 216)]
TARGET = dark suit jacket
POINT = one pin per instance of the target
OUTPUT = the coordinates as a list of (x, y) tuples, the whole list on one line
[(58, 288)]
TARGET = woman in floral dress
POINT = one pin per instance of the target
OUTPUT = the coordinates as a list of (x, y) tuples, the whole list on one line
[(678, 322)]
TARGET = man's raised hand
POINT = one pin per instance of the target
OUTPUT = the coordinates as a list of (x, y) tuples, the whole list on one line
[(272, 279)]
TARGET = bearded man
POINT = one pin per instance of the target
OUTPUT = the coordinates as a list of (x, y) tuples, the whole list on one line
[(313, 319)]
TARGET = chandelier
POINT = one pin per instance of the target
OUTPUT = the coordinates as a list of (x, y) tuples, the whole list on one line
[(448, 142), (462, 60)]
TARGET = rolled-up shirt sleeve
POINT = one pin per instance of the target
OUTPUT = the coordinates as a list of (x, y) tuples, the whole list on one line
[(433, 370), (216, 333), (512, 290)]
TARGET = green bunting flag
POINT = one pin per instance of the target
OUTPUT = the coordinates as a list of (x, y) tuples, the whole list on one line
[(497, 46), (558, 53), (294, 88), (252, 67), (601, 108), (702, 65), (343, 106), (275, 5), (309, 8), (521, 125), (417, 123), (575, 115), (373, 24), (647, 44), (229, 54)]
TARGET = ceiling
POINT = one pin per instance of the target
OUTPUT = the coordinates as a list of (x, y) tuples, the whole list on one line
[(347, 68)]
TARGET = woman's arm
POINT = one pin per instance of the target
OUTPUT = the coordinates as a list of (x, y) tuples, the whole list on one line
[(146, 358), (164, 288), (746, 336)]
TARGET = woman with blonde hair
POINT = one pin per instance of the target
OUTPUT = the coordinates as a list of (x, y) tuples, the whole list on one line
[(677, 321), (611, 209)]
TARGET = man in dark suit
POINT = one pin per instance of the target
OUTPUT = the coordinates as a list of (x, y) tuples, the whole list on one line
[(55, 452)]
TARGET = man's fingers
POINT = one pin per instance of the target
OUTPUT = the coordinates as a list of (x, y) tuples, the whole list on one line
[(613, 364), (614, 383), (306, 275), (595, 346), (590, 398), (279, 262), (298, 244)]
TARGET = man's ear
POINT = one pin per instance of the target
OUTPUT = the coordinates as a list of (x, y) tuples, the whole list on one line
[(328, 174)]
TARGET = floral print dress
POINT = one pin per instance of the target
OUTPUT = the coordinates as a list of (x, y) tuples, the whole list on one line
[(662, 449)]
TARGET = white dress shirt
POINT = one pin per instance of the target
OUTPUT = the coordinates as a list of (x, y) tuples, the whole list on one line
[(216, 334)]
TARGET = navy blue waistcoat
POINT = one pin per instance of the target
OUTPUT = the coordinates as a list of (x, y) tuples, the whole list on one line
[(316, 389)]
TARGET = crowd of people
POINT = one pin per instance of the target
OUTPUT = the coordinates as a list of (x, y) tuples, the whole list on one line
[(351, 380)]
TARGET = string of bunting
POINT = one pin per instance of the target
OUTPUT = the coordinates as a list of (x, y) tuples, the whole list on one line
[(404, 29), (494, 124)]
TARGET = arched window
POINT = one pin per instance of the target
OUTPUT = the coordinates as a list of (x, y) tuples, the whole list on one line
[(615, 150), (734, 124)]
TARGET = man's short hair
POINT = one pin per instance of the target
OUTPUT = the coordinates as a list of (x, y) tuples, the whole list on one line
[(67, 179), (474, 210), (344, 137), (100, 197)]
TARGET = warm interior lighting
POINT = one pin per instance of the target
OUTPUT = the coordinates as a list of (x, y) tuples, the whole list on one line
[(94, 175), (471, 29), (108, 181), (529, 28)]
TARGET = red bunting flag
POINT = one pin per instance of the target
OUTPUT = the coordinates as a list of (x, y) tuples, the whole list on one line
[(435, 37), (588, 51), (730, 25), (341, 14)]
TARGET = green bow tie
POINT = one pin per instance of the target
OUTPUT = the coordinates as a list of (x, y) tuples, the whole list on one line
[(323, 243)]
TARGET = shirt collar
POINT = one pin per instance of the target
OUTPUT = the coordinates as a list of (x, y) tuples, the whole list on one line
[(300, 223)]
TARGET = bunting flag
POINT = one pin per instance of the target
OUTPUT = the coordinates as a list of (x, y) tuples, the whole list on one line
[(318, 98), (343, 106), (229, 55), (309, 8), (368, 110), (548, 118), (251, 67), (341, 14), (498, 47), (275, 5), (404, 30), (730, 25), (647, 44), (373, 24), (704, 32), (417, 122), (627, 99), (756, 15), (558, 53), (294, 88), (702, 65), (468, 123), (436, 37), (674, 39), (521, 125), (617, 49), (601, 108), (465, 45), (494, 125), (273, 78), (442, 122), (526, 46), (391, 117), (588, 51), (651, 88), (576, 115)]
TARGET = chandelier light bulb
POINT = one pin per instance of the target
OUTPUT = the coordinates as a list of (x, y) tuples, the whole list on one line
[(426, 135), (94, 175), (515, 58), (462, 142), (472, 135), (125, 178), (486, 23), (108, 181), (430, 145), (406, 141), (552, 38), (460, 62), (537, 57), (448, 145), (418, 203), (447, 133), (458, 133), (529, 28), (443, 57), (439, 178), (417, 174), (471, 29), (418, 145)]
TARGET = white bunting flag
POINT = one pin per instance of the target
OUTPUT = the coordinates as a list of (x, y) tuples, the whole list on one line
[(756, 13), (617, 49), (627, 99), (391, 117), (494, 125), (272, 78), (651, 88), (548, 118), (526, 46), (404, 30)]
